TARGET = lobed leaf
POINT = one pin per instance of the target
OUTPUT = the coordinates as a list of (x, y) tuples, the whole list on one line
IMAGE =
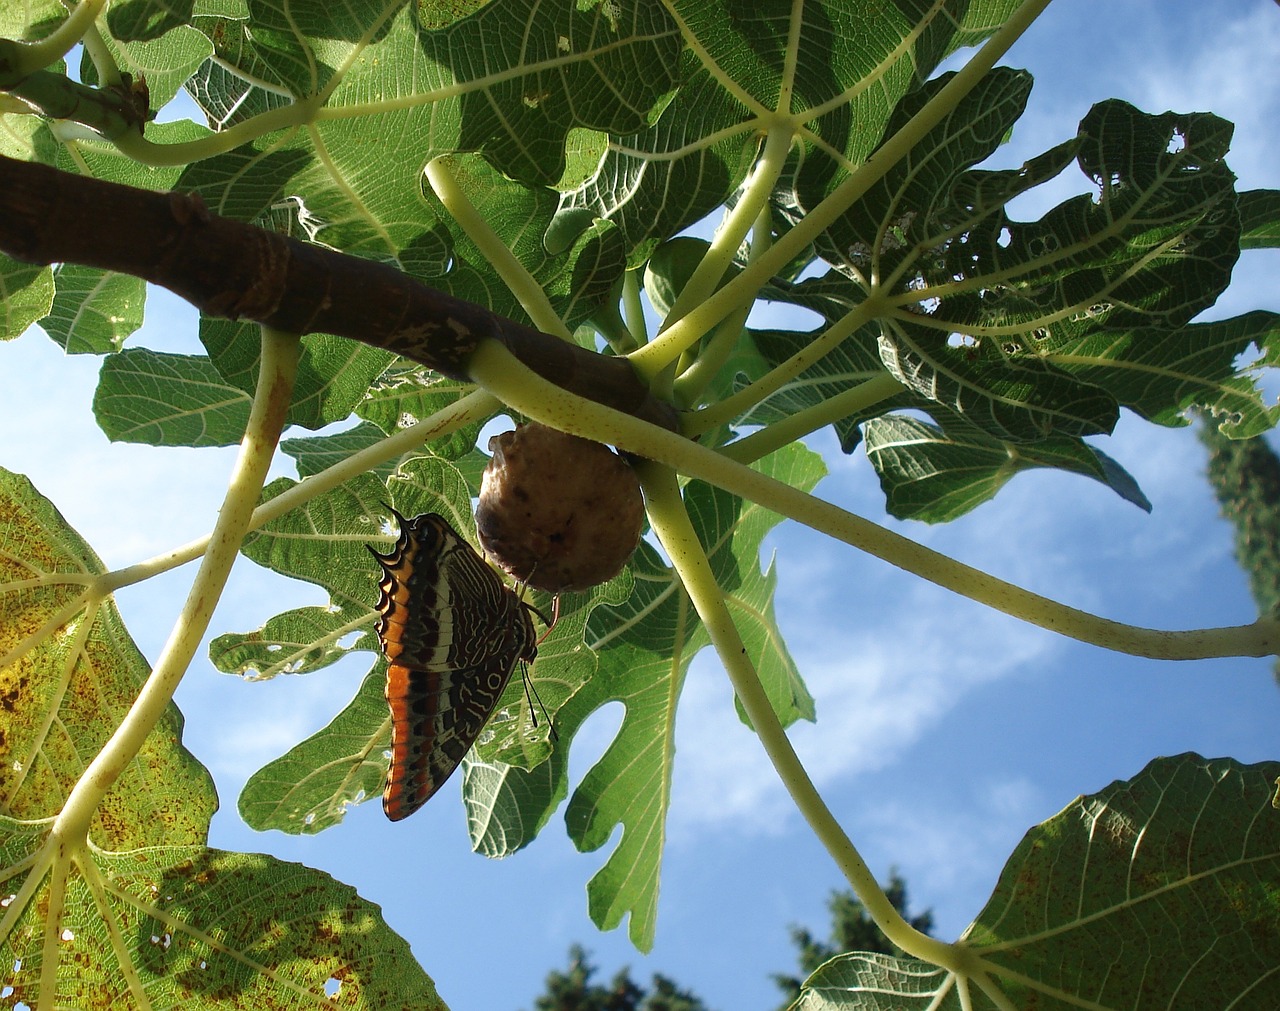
[(1155, 892), (69, 672), (1260, 219), (93, 310), (311, 787), (168, 400), (173, 926), (644, 647), (935, 475)]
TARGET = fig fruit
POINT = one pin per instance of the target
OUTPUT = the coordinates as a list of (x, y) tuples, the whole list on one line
[(558, 512)]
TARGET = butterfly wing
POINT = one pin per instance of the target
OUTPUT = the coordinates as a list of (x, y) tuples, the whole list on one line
[(452, 632)]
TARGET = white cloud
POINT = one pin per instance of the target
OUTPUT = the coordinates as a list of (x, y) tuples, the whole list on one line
[(953, 851), (1211, 80), (881, 685)]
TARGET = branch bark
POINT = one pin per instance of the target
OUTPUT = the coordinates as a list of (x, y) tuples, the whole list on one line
[(235, 270)]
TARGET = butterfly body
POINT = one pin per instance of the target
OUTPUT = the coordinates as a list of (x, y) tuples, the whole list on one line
[(452, 632)]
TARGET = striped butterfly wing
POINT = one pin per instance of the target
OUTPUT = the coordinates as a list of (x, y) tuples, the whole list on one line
[(452, 632)]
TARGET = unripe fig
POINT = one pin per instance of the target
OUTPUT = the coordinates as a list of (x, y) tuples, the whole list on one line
[(558, 512)]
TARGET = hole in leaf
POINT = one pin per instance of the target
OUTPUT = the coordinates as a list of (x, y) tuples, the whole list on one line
[(331, 987)]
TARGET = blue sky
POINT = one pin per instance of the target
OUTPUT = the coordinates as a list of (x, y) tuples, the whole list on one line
[(945, 731)]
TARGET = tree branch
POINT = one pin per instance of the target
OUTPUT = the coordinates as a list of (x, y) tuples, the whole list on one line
[(235, 270)]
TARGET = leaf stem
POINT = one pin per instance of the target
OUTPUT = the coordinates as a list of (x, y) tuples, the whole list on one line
[(719, 256), (633, 307), (781, 433), (55, 905), (693, 382), (136, 147), (278, 368), (103, 62), (18, 59), (476, 405), (771, 382), (671, 523), (524, 391), (523, 285)]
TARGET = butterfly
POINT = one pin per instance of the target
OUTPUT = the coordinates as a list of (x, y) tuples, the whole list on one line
[(452, 632)]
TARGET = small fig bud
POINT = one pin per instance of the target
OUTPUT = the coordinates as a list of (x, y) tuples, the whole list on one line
[(558, 512)]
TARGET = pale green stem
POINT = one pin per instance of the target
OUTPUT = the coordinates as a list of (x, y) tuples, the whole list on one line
[(475, 406), (523, 285), (671, 523), (990, 988), (694, 381), (103, 62), (55, 904), (772, 437), (506, 377), (28, 57), (139, 149), (633, 307), (744, 287), (724, 248), (736, 405), (277, 370), (125, 964), (36, 866)]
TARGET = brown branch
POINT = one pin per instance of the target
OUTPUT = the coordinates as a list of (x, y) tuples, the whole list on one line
[(231, 269)]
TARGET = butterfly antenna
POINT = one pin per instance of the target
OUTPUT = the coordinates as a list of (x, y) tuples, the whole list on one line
[(531, 693), (555, 616)]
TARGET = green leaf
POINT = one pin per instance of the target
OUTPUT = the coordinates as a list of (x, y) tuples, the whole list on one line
[(934, 475), (406, 394), (690, 159), (93, 310), (333, 374), (1260, 219), (142, 20), (69, 672), (576, 279), (1158, 891), (163, 64), (26, 296), (499, 81), (317, 453), (183, 926), (644, 647), (1161, 375), (168, 400), (325, 542), (312, 786)]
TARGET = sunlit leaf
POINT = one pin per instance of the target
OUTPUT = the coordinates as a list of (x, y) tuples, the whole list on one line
[(933, 475), (1157, 891), (69, 672), (176, 926), (168, 400)]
